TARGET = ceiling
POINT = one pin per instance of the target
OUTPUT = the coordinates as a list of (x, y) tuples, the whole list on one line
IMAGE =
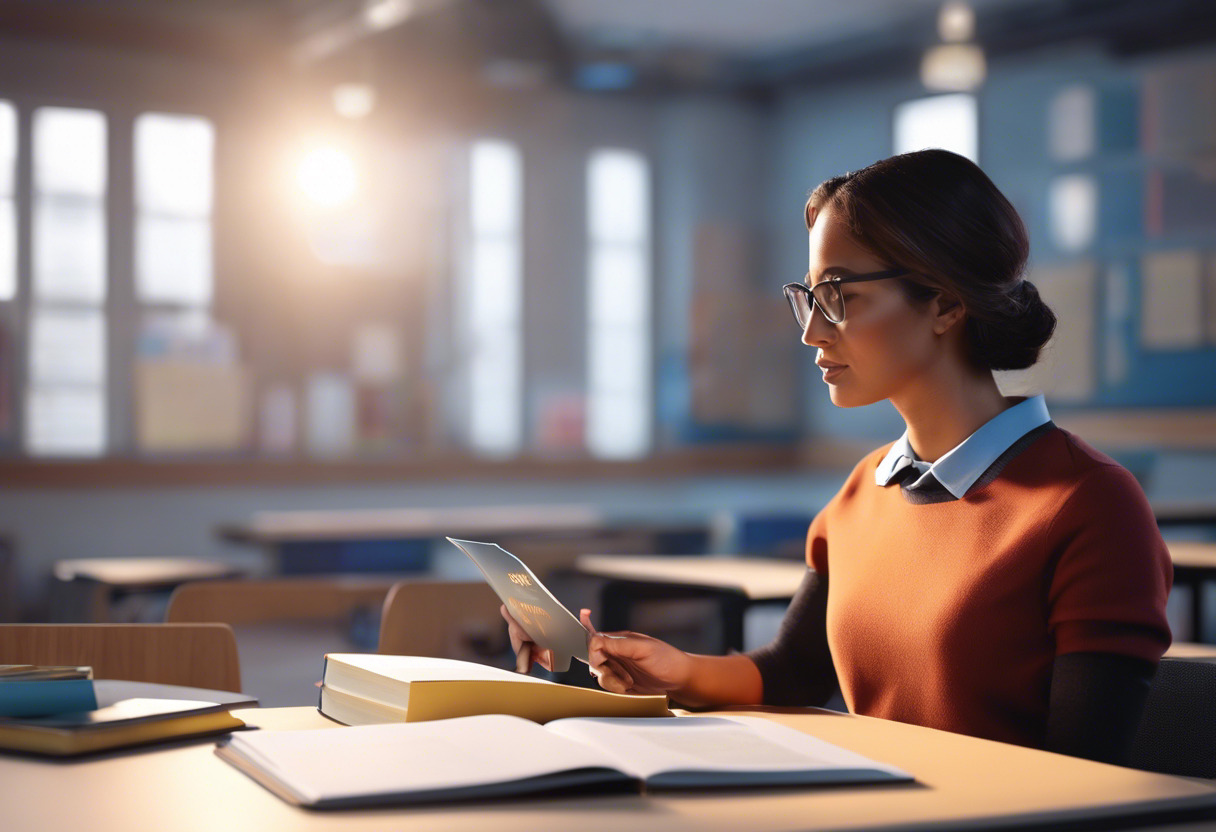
[(751, 44), (752, 28)]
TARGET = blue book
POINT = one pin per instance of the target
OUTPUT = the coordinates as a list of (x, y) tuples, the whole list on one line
[(42, 698)]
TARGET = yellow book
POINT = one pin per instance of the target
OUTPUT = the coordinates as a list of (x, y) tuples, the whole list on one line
[(128, 722), (369, 688)]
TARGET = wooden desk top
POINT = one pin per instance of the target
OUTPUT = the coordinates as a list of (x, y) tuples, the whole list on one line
[(129, 573), (1192, 555), (774, 578), (281, 526), (760, 579), (961, 782)]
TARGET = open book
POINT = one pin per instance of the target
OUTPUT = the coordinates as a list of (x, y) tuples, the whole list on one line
[(494, 756), (366, 688)]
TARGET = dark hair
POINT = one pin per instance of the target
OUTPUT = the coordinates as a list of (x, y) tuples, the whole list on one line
[(938, 215)]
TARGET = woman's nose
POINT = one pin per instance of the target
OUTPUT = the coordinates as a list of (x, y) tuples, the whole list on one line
[(819, 330)]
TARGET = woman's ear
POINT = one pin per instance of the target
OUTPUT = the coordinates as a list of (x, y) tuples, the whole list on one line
[(947, 311)]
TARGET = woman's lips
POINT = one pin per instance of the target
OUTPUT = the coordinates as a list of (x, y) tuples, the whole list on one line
[(831, 371)]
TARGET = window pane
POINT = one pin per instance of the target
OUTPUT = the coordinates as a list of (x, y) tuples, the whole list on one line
[(67, 347), (65, 421), (619, 288), (1073, 210), (173, 260), (69, 151), (491, 302), (618, 304), (173, 164), (494, 291), (8, 147), (69, 249), (617, 428), (8, 249), (618, 196), (950, 122), (495, 424), (618, 362), (496, 188)]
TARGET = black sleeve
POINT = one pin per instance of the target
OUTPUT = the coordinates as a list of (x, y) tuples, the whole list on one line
[(1096, 703), (797, 666)]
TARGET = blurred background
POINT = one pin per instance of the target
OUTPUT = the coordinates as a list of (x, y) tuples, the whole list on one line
[(299, 286)]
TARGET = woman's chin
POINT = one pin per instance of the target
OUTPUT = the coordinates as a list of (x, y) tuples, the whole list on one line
[(843, 397)]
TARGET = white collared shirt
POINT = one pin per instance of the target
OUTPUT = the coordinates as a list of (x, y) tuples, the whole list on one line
[(958, 470)]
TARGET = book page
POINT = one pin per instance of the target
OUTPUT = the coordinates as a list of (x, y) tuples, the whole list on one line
[(741, 745), (367, 762)]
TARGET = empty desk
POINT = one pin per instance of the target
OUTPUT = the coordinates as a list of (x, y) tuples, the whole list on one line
[(734, 583)]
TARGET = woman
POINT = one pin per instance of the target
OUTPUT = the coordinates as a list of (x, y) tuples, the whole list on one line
[(988, 573)]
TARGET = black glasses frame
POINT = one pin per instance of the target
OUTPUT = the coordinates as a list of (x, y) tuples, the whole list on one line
[(827, 296)]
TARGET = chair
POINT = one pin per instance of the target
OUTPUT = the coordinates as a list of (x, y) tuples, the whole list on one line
[(195, 655), (285, 626), (1177, 733), (444, 619), (289, 599)]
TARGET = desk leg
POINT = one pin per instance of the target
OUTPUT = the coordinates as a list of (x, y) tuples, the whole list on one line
[(616, 600), (1197, 610), (734, 608)]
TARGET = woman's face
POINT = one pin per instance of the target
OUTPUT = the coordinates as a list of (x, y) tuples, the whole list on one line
[(884, 343)]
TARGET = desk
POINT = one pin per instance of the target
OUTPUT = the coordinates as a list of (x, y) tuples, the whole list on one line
[(397, 539), (85, 589), (1194, 564), (735, 583), (961, 782), (1184, 513)]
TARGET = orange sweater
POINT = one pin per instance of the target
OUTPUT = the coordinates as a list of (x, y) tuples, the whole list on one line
[(949, 614)]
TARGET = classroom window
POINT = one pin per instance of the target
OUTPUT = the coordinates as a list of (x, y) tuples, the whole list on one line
[(950, 122), (66, 393), (491, 302), (173, 196), (618, 305)]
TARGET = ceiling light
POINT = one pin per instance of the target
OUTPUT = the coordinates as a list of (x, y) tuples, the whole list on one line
[(953, 67), (354, 100), (955, 22), (327, 176), (385, 14)]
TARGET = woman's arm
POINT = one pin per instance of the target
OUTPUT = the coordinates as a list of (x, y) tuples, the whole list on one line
[(1096, 703), (796, 667)]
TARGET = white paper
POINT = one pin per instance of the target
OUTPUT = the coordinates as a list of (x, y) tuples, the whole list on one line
[(370, 760), (647, 748)]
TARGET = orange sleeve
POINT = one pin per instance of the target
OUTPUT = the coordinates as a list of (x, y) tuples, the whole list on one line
[(1112, 574)]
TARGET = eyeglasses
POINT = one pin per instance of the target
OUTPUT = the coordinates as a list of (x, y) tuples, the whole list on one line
[(827, 296)]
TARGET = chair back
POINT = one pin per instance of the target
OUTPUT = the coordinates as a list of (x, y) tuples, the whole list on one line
[(1177, 733), (194, 655), (444, 619), (281, 599)]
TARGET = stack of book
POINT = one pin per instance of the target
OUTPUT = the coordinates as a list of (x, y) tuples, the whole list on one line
[(63, 711), (28, 690)]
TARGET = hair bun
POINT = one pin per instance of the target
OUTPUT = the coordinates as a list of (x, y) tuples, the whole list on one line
[(1012, 341)]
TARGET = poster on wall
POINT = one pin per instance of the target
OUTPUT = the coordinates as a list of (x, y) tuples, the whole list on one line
[(1065, 371), (743, 346), (1171, 301)]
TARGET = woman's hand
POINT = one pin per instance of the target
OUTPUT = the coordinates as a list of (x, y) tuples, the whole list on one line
[(526, 651), (635, 663)]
